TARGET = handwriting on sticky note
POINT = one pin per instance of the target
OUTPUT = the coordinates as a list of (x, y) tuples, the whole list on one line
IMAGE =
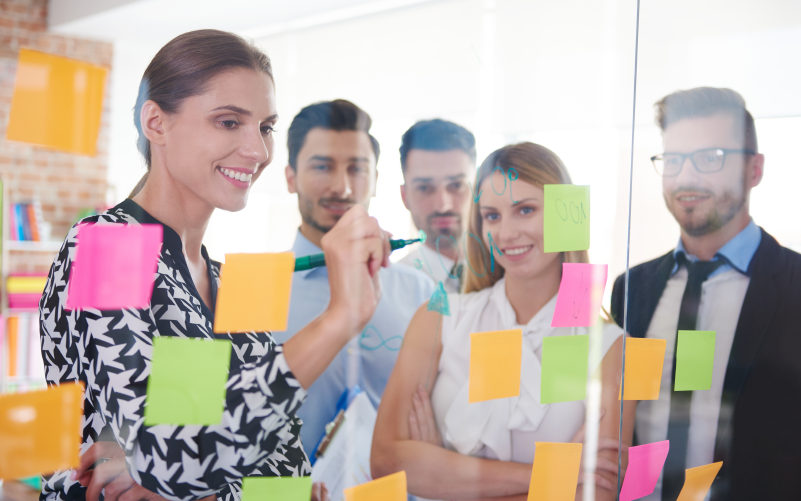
[(645, 464), (581, 291), (697, 481), (554, 475), (566, 212), (565, 362), (57, 102), (115, 266), (187, 381), (695, 357), (254, 292), (389, 488), (276, 488), (644, 361), (40, 431), (495, 362)]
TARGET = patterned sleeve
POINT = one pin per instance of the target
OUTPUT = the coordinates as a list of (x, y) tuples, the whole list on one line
[(110, 351)]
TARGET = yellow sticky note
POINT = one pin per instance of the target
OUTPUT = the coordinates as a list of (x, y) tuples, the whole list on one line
[(644, 361), (254, 292), (495, 359), (389, 488), (40, 431), (554, 476), (57, 102), (697, 481)]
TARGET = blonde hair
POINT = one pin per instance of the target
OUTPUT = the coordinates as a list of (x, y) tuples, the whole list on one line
[(534, 164)]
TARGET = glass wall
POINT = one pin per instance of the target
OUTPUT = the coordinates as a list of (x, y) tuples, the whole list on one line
[(502, 342)]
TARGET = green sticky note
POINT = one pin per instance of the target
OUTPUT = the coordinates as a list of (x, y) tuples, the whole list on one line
[(276, 488), (187, 381), (695, 357), (564, 368), (567, 217)]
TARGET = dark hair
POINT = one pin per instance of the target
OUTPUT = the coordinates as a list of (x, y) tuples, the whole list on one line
[(183, 68), (437, 135), (338, 115), (704, 102)]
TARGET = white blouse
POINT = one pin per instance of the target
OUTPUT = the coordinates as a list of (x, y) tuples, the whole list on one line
[(504, 429)]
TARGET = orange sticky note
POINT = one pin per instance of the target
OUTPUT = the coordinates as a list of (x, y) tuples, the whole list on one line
[(495, 359), (254, 292), (40, 431), (697, 481), (57, 102), (554, 476), (389, 488), (644, 361)]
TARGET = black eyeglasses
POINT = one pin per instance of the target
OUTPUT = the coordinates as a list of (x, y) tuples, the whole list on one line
[(705, 161)]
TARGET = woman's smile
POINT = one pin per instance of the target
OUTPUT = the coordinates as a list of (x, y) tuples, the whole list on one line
[(517, 253), (241, 178)]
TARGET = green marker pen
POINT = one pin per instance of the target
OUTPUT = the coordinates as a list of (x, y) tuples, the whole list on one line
[(317, 260)]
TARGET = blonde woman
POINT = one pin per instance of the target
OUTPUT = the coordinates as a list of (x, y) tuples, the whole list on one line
[(454, 450)]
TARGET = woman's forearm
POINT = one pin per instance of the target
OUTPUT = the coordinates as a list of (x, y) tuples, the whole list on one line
[(437, 473), (309, 352)]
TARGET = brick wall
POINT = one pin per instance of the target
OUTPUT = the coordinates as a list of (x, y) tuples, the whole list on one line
[(64, 182)]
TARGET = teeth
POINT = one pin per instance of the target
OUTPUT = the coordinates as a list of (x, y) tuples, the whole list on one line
[(239, 176), (518, 251)]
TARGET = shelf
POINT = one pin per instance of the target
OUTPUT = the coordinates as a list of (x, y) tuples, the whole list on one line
[(32, 246), (25, 379), (17, 311)]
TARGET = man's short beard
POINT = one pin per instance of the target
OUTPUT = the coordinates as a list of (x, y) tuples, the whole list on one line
[(714, 222), (716, 219), (445, 232), (306, 211)]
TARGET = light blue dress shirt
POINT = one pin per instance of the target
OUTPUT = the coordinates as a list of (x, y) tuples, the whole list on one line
[(738, 251), (369, 358)]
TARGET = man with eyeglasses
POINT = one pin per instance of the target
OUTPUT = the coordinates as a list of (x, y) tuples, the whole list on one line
[(729, 276)]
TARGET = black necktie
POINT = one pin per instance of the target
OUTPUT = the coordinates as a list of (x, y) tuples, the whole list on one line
[(679, 424), (457, 271)]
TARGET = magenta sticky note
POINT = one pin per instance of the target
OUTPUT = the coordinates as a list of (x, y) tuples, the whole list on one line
[(645, 465), (114, 266), (580, 293)]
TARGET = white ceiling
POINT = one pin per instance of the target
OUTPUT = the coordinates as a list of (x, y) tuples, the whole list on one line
[(160, 20)]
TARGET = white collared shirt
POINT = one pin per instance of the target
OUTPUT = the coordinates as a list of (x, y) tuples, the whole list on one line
[(508, 428), (433, 264), (721, 301)]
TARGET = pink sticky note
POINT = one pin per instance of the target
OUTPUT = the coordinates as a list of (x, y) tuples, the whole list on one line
[(114, 266), (645, 465), (580, 295)]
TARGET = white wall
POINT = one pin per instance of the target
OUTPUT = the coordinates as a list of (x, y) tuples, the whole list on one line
[(554, 72)]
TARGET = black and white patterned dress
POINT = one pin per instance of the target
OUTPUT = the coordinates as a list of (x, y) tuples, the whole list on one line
[(110, 352)]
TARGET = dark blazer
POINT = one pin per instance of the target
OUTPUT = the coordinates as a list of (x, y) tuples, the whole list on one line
[(759, 430)]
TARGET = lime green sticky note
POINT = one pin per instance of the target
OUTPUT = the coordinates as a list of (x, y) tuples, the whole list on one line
[(567, 217), (564, 368), (187, 381), (276, 488), (695, 357)]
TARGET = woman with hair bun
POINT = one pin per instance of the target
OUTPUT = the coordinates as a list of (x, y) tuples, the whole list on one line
[(205, 115)]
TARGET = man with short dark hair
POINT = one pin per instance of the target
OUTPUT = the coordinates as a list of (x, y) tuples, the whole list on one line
[(332, 167), (438, 159), (729, 276)]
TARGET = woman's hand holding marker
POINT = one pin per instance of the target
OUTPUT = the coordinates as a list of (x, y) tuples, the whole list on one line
[(355, 250)]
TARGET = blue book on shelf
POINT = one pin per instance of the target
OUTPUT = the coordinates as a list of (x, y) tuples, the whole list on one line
[(18, 217)]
